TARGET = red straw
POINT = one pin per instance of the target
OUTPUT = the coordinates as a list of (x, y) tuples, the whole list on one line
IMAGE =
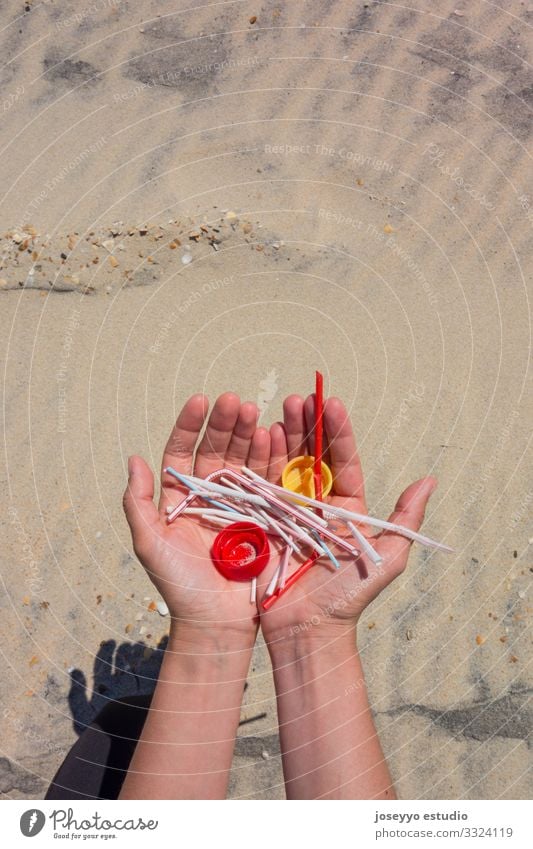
[(268, 602), (319, 414)]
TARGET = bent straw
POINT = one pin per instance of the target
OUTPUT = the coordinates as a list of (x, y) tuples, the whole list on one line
[(305, 516), (267, 518), (207, 483), (327, 550), (193, 489), (356, 517)]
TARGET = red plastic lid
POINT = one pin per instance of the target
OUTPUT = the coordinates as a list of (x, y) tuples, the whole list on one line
[(241, 551)]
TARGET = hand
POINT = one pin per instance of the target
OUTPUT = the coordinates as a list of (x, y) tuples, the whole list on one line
[(325, 601), (176, 556)]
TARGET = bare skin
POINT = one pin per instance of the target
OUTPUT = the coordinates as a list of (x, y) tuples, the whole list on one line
[(329, 743), (187, 742)]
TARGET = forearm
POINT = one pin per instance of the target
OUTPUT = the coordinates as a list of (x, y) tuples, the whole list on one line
[(186, 746), (329, 743)]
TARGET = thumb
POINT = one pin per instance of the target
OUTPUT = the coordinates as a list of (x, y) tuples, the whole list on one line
[(138, 501), (409, 512)]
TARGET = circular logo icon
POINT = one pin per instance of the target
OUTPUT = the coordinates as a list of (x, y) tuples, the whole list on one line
[(31, 822)]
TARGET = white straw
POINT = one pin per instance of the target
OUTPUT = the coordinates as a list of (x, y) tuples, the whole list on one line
[(221, 520), (205, 484), (348, 514), (365, 545), (260, 512), (272, 585), (215, 511), (253, 591), (306, 517), (279, 530), (283, 567), (261, 482)]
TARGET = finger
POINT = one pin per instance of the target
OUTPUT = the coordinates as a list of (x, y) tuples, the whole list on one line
[(343, 456), (179, 450), (139, 507), (217, 437), (294, 424), (241, 438), (409, 512), (278, 452), (259, 454)]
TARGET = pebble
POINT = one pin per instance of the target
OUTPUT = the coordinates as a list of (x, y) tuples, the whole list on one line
[(108, 244), (265, 755), (139, 617), (186, 259), (98, 534), (162, 608)]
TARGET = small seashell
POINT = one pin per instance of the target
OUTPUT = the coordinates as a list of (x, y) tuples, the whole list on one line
[(162, 608)]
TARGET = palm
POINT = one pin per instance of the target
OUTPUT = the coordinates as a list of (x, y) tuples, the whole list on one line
[(176, 556), (180, 567), (324, 594)]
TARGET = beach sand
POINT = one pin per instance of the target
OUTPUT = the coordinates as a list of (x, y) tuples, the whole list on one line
[(194, 202)]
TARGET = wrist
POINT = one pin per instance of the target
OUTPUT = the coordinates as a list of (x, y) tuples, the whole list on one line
[(312, 646), (203, 643)]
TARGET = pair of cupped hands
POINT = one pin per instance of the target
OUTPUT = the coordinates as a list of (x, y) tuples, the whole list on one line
[(177, 556)]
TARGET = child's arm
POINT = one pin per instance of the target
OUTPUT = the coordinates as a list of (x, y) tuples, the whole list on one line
[(329, 744), (186, 745)]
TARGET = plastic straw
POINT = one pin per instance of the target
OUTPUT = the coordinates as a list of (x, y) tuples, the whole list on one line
[(319, 415)]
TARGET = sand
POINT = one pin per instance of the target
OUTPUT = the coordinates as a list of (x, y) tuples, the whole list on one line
[(360, 172)]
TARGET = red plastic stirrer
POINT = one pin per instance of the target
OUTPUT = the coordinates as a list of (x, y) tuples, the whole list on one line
[(319, 416)]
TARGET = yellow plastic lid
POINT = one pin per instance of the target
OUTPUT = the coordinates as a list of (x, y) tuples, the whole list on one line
[(298, 477)]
